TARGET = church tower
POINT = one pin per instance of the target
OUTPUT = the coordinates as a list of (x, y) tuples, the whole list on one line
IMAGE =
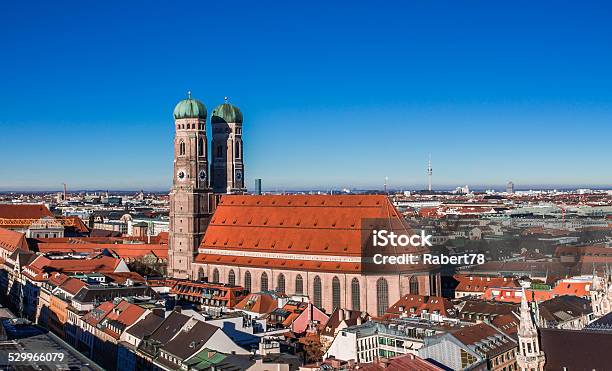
[(191, 200), (227, 170), (530, 356), (601, 293)]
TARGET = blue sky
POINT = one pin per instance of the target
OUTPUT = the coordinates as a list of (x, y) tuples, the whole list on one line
[(334, 94)]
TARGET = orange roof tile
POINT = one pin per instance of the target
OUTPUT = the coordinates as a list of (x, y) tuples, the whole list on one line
[(572, 288), (11, 240), (476, 284), (19, 211), (258, 303), (326, 225), (302, 225), (42, 264), (411, 304), (72, 285), (513, 295)]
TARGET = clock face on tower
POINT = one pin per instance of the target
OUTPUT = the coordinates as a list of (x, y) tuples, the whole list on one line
[(202, 175), (238, 175), (181, 174)]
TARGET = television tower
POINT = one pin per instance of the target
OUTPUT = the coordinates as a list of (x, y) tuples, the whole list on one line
[(429, 172)]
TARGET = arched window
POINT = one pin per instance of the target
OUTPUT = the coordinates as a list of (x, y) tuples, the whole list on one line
[(355, 294), (382, 296), (182, 148), (215, 277), (247, 280), (200, 147), (335, 293), (317, 296), (231, 277), (237, 149), (201, 274), (414, 285), (299, 285), (264, 282), (280, 287)]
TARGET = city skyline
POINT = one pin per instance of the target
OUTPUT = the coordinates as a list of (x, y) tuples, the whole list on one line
[(328, 102)]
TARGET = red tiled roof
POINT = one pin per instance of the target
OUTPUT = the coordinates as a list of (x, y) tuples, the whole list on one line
[(125, 313), (42, 264), (58, 279), (258, 303), (302, 225), (121, 277), (77, 224), (514, 295), (72, 285), (479, 284), (475, 333), (97, 314), (572, 288), (400, 363), (10, 211), (507, 323), (121, 250), (11, 240), (323, 225), (415, 304), (306, 265)]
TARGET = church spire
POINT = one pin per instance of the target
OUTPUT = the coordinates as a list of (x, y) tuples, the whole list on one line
[(527, 327)]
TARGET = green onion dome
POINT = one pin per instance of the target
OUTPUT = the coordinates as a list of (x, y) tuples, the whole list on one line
[(190, 109), (225, 113)]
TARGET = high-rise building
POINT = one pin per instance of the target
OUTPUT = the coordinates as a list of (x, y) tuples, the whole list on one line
[(227, 168), (258, 186), (191, 199), (510, 187)]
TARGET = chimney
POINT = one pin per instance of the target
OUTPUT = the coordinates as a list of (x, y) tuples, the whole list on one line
[(359, 320), (341, 314)]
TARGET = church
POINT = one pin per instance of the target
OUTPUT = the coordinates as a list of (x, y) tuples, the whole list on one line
[(306, 245)]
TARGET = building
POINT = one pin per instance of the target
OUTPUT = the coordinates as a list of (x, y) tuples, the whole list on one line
[(471, 285), (308, 245), (601, 294), (258, 186), (371, 340), (476, 347), (227, 166), (510, 188), (191, 199)]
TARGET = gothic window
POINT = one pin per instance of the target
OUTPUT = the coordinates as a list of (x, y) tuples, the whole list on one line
[(200, 147), (317, 295), (247, 280), (355, 294), (280, 287), (264, 281), (237, 149), (299, 285), (335, 293), (201, 274), (219, 151), (382, 296), (231, 277), (182, 148), (215, 276), (414, 285)]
